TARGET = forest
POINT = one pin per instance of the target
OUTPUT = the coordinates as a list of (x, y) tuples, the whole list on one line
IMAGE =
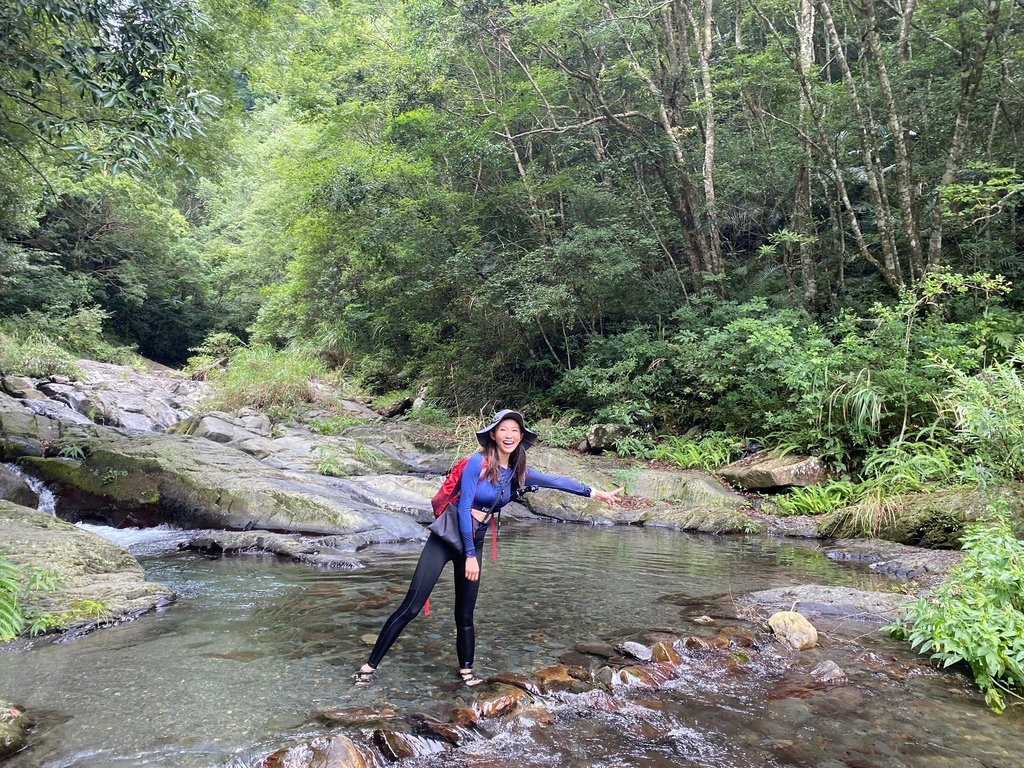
[(704, 222)]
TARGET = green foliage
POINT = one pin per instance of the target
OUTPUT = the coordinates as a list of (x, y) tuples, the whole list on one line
[(19, 584), (710, 451), (36, 355), (561, 435), (107, 83), (976, 617), (817, 499), (276, 381), (72, 451), (984, 414), (430, 415), (333, 425), (215, 352)]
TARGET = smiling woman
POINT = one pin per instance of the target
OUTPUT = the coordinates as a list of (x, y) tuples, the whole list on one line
[(490, 479)]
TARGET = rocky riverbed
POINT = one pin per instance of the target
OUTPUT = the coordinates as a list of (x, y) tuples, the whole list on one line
[(138, 448)]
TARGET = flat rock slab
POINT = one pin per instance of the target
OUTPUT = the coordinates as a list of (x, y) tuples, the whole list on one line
[(89, 568), (770, 470), (898, 561), (835, 602)]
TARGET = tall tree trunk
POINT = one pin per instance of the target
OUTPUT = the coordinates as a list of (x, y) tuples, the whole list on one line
[(803, 221), (973, 59), (876, 187), (897, 127), (705, 41)]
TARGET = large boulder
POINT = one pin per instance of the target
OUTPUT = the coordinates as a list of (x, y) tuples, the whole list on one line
[(99, 582), (794, 630), (23, 432), (765, 470), (150, 478)]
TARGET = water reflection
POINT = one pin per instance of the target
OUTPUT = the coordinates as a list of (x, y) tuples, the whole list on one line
[(256, 644)]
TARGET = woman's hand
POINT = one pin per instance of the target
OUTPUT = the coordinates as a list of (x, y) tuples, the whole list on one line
[(472, 569), (607, 497)]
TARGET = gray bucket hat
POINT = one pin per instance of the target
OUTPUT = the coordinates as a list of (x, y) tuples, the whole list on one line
[(483, 436)]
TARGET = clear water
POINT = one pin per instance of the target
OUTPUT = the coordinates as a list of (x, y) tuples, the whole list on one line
[(255, 645)]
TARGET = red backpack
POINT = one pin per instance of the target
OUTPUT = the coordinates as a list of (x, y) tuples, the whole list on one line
[(449, 491)]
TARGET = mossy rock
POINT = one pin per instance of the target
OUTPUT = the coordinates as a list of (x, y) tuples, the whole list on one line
[(934, 520), (99, 582), (150, 478), (702, 518)]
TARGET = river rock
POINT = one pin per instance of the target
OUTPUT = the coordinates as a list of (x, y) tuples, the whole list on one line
[(398, 745), (794, 630), (14, 725), (24, 433), (20, 387), (829, 673), (323, 553), (92, 572), (14, 488), (500, 701), (766, 469), (634, 650), (325, 752)]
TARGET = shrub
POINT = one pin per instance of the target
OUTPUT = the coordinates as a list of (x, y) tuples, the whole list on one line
[(712, 450), (976, 617), (35, 355), (985, 414)]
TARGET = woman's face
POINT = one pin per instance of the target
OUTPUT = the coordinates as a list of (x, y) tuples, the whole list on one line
[(507, 435)]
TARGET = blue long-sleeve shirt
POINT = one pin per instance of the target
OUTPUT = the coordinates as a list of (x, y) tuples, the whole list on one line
[(480, 493)]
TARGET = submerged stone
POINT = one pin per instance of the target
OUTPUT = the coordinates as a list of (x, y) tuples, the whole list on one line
[(14, 725), (333, 752), (829, 673), (397, 745), (527, 684), (500, 701)]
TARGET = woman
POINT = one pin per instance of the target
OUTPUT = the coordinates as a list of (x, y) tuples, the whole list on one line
[(489, 481)]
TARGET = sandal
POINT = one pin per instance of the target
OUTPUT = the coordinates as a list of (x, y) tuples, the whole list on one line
[(364, 676), (468, 678)]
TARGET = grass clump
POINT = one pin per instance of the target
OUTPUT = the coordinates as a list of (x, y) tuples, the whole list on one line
[(976, 617), (276, 381)]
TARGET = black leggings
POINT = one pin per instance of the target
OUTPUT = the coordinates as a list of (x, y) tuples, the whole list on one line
[(436, 554)]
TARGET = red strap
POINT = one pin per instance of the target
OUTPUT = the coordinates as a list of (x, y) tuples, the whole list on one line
[(426, 607)]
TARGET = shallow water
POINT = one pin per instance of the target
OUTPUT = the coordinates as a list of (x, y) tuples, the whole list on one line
[(254, 645)]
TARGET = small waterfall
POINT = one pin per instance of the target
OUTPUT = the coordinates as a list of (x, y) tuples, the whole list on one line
[(47, 501)]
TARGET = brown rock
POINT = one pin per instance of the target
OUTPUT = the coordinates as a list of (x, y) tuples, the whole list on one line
[(555, 678), (14, 724), (527, 684), (794, 630), (357, 717), (665, 652), (397, 745), (334, 752), (500, 701)]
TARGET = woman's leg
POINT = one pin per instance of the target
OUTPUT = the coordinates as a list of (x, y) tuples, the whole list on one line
[(432, 561), (466, 592)]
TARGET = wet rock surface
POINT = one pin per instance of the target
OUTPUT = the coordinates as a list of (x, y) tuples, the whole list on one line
[(14, 726), (767, 470)]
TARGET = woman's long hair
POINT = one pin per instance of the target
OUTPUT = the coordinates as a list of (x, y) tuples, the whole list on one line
[(517, 460)]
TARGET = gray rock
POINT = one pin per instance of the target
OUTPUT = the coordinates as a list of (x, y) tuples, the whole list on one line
[(846, 603), (765, 470), (829, 673), (323, 553), (634, 650), (17, 386), (602, 437), (14, 488)]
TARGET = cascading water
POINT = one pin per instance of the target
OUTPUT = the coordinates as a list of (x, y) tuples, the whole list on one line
[(47, 502)]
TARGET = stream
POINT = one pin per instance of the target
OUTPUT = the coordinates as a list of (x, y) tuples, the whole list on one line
[(254, 646)]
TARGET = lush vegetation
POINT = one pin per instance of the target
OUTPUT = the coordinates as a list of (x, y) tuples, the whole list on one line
[(976, 617), (708, 222)]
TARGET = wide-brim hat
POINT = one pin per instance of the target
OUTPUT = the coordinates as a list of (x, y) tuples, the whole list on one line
[(483, 436)]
